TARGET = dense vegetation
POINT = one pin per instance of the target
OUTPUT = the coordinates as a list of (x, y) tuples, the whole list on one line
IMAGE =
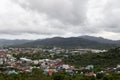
[(110, 58), (38, 75), (71, 42)]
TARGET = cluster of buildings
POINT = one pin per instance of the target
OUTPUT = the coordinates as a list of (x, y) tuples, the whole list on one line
[(55, 50), (22, 50), (58, 50), (10, 65), (6, 59)]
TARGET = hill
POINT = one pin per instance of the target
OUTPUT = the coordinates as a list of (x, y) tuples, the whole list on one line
[(67, 42), (6, 42), (100, 39)]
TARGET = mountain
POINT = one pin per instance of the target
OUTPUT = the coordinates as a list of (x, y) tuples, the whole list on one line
[(6, 42), (100, 39), (72, 42)]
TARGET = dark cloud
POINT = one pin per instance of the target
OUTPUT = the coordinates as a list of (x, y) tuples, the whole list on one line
[(67, 11)]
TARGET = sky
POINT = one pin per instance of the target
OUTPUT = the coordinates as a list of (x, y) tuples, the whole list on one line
[(37, 19)]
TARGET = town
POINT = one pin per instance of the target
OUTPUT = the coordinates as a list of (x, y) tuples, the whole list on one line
[(10, 64)]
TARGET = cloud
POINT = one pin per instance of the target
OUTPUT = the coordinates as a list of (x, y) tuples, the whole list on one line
[(60, 17), (67, 11), (104, 15), (16, 20), (111, 16)]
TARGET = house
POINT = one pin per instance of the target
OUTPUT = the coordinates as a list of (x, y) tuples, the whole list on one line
[(89, 67), (90, 73), (118, 66), (69, 71), (12, 72), (3, 53)]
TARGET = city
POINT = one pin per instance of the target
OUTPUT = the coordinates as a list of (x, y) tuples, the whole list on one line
[(50, 61)]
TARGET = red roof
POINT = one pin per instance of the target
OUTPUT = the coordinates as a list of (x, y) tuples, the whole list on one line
[(3, 53)]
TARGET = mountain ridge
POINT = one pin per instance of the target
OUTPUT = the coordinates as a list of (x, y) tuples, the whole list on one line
[(100, 39), (81, 42), (7, 42), (69, 42)]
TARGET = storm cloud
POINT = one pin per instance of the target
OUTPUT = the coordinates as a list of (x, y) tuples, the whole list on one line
[(60, 18)]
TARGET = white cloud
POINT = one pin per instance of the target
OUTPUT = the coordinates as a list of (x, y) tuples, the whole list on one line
[(47, 18)]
